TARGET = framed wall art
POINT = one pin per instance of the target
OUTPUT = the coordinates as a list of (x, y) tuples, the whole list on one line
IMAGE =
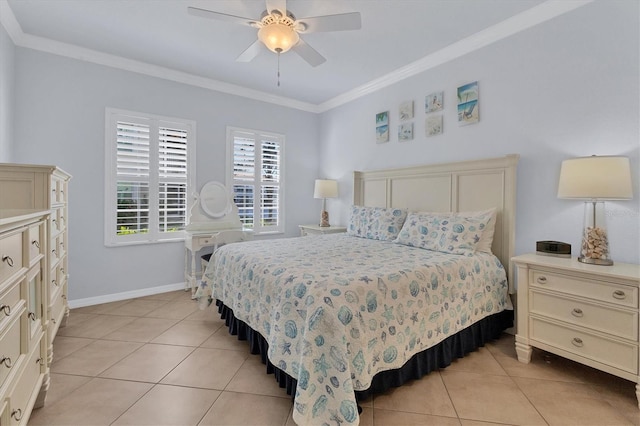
[(468, 108), (434, 102), (406, 111), (382, 127), (405, 132), (433, 125)]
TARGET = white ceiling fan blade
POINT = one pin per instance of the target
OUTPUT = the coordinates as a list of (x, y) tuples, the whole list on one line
[(209, 14), (250, 52), (308, 53), (341, 22), (280, 5)]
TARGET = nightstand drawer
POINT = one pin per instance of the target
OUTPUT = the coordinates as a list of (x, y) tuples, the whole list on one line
[(619, 322), (598, 290), (9, 299), (617, 354)]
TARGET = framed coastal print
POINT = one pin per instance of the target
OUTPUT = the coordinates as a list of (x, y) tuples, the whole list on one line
[(468, 108), (433, 125), (382, 127), (434, 102), (405, 132), (406, 111)]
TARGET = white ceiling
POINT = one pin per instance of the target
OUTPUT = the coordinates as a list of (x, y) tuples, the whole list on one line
[(160, 33)]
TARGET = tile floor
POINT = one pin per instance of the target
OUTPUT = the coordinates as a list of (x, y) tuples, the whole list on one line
[(143, 362)]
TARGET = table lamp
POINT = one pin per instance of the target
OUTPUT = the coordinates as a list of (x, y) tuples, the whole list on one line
[(595, 179), (325, 188)]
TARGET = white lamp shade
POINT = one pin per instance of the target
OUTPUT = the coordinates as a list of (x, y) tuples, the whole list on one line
[(278, 37), (595, 178), (325, 188)]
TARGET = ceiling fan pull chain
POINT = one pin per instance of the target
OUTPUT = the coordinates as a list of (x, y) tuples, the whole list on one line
[(279, 67)]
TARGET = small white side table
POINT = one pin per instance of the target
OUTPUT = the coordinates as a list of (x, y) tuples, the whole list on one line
[(320, 230), (195, 242)]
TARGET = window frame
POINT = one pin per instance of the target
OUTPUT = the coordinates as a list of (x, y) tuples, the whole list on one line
[(154, 236), (259, 135)]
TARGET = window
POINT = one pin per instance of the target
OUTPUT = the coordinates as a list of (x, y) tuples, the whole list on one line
[(148, 176), (255, 172)]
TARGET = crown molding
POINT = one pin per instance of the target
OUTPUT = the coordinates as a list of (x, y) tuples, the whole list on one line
[(520, 22), (513, 25)]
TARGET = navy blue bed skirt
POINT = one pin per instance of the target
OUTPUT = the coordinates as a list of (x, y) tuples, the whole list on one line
[(421, 364)]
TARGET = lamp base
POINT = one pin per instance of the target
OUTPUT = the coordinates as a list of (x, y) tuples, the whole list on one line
[(603, 262), (324, 219)]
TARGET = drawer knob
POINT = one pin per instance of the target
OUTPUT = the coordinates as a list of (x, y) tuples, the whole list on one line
[(8, 260), (6, 309), (6, 361), (577, 342), (40, 361), (36, 243), (619, 294), (17, 414), (54, 252), (577, 312), (542, 280), (32, 316)]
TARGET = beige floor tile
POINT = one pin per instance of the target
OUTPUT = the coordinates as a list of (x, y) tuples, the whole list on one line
[(63, 346), (233, 409), (543, 365), (504, 346), (207, 368), (465, 422), (169, 405), (93, 359), (150, 363), (63, 384), (208, 314), (142, 330), (563, 403), (93, 326), (187, 333), (425, 396), (221, 339), (177, 309), (138, 307), (489, 398), (168, 296), (99, 402), (396, 418), (103, 308), (478, 360), (252, 378)]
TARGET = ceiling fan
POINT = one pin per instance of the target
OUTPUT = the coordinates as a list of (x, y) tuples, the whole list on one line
[(279, 30)]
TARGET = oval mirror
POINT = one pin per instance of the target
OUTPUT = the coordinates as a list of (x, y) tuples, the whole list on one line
[(214, 199)]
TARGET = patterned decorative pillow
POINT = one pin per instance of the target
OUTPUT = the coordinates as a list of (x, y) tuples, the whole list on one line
[(455, 233), (376, 223)]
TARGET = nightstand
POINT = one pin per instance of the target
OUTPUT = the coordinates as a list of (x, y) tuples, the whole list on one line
[(319, 230), (587, 313)]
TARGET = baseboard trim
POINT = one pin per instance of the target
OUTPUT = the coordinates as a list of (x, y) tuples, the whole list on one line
[(89, 301)]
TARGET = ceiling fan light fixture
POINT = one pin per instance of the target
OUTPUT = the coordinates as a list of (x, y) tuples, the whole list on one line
[(278, 37)]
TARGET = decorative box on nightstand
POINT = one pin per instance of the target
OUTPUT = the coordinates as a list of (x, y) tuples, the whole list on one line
[(587, 313), (319, 230)]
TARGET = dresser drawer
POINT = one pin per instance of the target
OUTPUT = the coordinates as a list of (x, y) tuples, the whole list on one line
[(26, 390), (619, 322), (617, 354), (58, 190), (598, 290), (9, 299), (9, 349), (36, 245), (10, 255)]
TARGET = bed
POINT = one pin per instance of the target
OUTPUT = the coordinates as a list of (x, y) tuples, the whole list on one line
[(338, 317)]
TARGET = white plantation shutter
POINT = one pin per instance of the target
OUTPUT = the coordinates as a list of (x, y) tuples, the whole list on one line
[(255, 162), (148, 177)]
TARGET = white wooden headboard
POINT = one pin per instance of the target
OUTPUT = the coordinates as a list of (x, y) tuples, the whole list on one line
[(461, 186)]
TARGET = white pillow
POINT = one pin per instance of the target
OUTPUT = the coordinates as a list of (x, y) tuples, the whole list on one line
[(451, 232), (376, 223)]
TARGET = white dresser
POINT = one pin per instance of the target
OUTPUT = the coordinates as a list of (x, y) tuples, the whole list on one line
[(39, 192), (23, 317), (587, 313)]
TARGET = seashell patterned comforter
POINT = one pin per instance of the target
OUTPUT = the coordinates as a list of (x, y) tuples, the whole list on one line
[(337, 309)]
